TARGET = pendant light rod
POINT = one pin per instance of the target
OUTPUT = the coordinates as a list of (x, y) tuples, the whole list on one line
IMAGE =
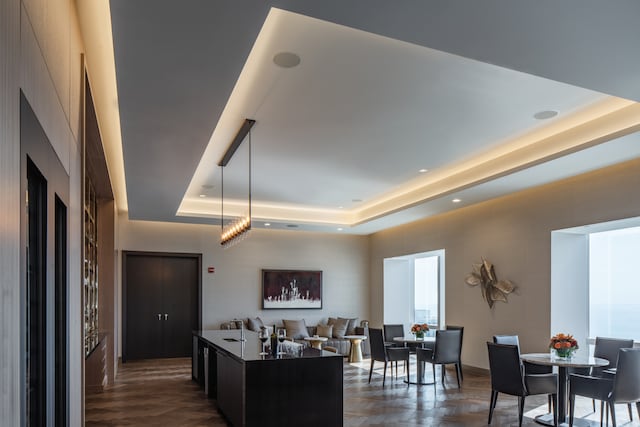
[(242, 133), (239, 228)]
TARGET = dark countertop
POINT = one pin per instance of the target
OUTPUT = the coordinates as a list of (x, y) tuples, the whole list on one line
[(249, 350)]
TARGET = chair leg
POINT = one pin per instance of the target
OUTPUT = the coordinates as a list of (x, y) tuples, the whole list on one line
[(459, 373), (630, 411), (638, 408), (492, 404), (612, 409), (442, 373), (549, 403), (602, 413), (520, 410), (406, 369), (433, 366), (457, 376), (371, 370), (593, 402), (554, 401), (384, 373)]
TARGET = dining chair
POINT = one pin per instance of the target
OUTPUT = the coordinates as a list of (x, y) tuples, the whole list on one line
[(507, 376), (382, 353), (446, 351), (529, 368), (623, 387), (605, 348), (459, 362), (391, 332), (608, 348)]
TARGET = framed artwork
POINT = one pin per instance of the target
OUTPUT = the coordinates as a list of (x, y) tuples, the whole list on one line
[(291, 289)]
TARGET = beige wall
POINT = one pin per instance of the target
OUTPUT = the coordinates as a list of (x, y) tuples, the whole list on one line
[(513, 232), (234, 289)]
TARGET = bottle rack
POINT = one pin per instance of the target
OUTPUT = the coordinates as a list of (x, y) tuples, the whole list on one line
[(90, 275)]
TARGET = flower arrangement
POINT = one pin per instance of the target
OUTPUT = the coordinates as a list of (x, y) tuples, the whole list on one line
[(419, 329), (563, 344)]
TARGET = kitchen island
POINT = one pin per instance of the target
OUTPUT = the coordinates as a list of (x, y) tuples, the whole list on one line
[(255, 390)]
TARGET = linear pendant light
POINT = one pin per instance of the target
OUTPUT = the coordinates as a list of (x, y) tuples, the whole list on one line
[(239, 228)]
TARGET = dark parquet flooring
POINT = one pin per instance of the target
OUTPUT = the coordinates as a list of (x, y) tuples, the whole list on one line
[(161, 393)]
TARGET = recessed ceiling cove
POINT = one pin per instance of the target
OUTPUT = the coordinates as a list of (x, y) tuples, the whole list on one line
[(350, 107), (359, 116)]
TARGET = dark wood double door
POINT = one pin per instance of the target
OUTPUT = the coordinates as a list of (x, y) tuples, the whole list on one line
[(161, 304)]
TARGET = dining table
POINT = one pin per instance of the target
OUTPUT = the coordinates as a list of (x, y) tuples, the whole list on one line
[(563, 364), (426, 342)]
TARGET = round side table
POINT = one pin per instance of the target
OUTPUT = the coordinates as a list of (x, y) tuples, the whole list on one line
[(355, 355), (316, 342)]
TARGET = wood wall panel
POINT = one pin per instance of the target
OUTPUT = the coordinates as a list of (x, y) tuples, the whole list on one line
[(40, 89), (9, 212), (40, 49)]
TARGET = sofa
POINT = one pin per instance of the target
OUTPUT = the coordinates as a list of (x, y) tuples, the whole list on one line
[(296, 333)]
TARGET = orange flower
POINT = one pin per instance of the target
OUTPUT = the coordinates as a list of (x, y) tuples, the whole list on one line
[(419, 327), (561, 340)]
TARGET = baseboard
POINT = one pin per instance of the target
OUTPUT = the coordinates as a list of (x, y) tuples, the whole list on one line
[(474, 370)]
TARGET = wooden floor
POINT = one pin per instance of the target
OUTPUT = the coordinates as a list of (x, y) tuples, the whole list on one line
[(161, 393)]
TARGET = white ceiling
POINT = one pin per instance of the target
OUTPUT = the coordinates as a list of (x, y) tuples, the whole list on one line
[(340, 138)]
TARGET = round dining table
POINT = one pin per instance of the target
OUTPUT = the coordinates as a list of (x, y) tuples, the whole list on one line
[(576, 361), (426, 342)]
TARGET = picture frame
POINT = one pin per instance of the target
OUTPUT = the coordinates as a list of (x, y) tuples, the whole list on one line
[(291, 289)]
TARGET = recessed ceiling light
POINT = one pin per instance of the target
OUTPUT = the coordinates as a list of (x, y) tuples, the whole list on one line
[(340, 207), (339, 228), (286, 59), (546, 114), (423, 170), (203, 195), (456, 200), (267, 224)]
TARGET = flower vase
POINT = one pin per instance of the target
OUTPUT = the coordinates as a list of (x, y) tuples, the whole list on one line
[(564, 353), (420, 335)]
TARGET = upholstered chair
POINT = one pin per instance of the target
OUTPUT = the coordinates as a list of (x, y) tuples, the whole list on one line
[(507, 376), (623, 387), (381, 353), (446, 351)]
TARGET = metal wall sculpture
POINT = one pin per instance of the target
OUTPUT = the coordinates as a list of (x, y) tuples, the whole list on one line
[(493, 290)]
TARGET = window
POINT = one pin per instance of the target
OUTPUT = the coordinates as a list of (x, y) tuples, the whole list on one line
[(414, 289), (614, 288), (425, 288)]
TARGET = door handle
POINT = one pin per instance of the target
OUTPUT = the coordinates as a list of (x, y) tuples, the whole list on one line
[(159, 316), (166, 316)]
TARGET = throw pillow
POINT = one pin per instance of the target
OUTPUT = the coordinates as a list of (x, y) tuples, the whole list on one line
[(255, 324), (324, 330), (331, 320), (296, 329), (351, 326), (340, 328)]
